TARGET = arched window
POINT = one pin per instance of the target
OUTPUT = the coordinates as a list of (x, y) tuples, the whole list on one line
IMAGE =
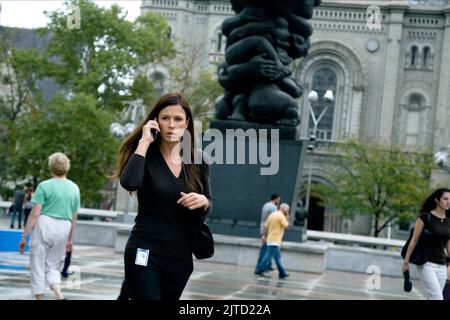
[(413, 126), (217, 45), (158, 78), (416, 102), (426, 55), (324, 79), (219, 41), (414, 51)]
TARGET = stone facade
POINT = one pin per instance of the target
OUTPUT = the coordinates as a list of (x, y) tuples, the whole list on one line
[(390, 82), (196, 22)]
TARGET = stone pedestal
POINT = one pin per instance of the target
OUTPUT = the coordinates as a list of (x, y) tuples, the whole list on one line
[(286, 132), (240, 189)]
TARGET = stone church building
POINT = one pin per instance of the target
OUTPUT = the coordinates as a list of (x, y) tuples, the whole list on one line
[(388, 66)]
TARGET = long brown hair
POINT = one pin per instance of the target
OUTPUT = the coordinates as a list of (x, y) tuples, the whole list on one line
[(190, 171)]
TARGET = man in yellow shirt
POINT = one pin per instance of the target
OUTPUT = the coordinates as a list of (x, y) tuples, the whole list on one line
[(267, 209), (275, 225)]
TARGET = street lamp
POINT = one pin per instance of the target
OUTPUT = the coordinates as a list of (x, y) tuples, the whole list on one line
[(314, 97), (441, 158), (131, 117)]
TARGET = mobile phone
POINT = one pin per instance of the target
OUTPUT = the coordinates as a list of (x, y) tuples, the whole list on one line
[(154, 133)]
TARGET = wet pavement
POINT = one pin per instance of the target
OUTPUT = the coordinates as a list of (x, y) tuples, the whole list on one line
[(98, 273)]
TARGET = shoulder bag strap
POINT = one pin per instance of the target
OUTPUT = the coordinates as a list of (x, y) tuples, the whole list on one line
[(428, 220)]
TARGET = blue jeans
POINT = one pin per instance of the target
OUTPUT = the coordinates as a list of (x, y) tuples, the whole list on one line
[(262, 253), (273, 252)]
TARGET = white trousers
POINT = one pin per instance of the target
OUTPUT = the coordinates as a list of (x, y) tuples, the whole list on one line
[(47, 247), (433, 277)]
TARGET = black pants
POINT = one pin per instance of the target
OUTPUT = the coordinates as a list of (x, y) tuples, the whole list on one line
[(17, 210), (164, 278), (123, 295), (26, 213)]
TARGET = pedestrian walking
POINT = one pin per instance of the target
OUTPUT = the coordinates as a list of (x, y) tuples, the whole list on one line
[(267, 209), (173, 195), (434, 218), (51, 226), (17, 208), (275, 225)]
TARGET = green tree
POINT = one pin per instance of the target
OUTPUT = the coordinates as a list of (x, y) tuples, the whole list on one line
[(387, 183), (102, 56), (144, 89), (19, 71), (104, 61), (200, 88), (188, 59), (151, 40), (202, 96), (74, 126)]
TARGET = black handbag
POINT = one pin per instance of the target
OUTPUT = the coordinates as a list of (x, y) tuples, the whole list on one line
[(203, 241), (420, 254)]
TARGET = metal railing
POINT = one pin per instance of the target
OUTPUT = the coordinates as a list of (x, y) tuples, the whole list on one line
[(337, 238), (351, 239), (82, 212)]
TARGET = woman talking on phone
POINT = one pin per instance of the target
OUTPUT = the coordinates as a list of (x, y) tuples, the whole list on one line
[(173, 194)]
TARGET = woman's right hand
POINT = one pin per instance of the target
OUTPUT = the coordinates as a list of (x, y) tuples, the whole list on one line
[(146, 133), (22, 244), (69, 246), (405, 266), (147, 137)]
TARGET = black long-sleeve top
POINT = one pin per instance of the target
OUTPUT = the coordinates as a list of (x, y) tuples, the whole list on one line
[(162, 225)]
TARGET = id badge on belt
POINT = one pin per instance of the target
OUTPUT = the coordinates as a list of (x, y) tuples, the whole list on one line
[(142, 257)]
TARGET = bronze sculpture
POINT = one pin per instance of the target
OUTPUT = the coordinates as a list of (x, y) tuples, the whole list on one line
[(263, 38)]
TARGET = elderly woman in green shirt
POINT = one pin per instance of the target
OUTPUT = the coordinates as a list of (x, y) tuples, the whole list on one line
[(51, 225)]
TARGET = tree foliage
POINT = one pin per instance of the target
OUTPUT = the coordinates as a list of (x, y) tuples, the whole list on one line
[(98, 67), (387, 183), (201, 89), (202, 96), (73, 126), (101, 57), (19, 71)]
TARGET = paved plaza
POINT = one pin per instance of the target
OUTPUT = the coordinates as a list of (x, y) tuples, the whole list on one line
[(99, 273)]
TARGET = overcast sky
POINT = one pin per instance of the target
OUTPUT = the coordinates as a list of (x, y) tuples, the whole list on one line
[(28, 13)]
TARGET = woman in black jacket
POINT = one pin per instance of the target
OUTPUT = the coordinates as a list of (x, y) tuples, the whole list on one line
[(159, 161)]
